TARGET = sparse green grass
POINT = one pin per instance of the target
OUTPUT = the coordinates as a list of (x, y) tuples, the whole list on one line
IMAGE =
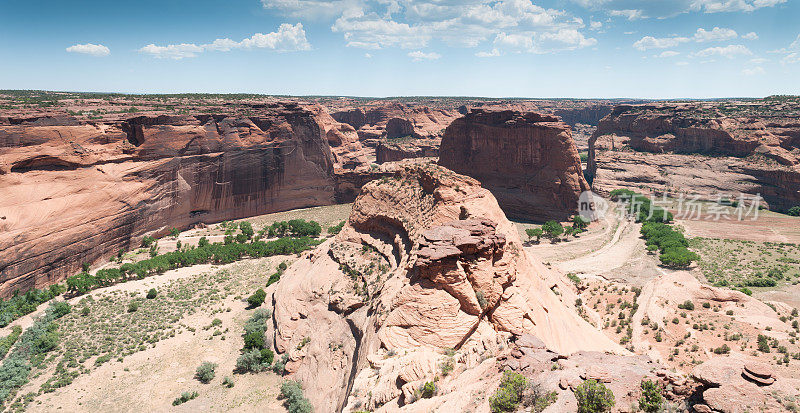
[(735, 263)]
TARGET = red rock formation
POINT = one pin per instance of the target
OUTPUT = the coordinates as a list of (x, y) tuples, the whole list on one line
[(694, 148), (427, 261), (77, 191), (414, 148), (528, 160)]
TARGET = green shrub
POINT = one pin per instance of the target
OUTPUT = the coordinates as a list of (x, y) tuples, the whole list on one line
[(257, 298), (295, 401), (203, 242), (267, 356), (594, 397), (671, 243), (280, 366), (686, 305), (254, 340), (61, 309), (516, 390), (295, 227), (428, 390), (250, 362), (185, 397), (151, 294), (763, 343), (205, 372), (760, 282), (794, 211), (174, 232), (21, 304), (247, 229), (336, 228), (9, 340), (227, 382), (133, 306), (651, 399), (147, 241)]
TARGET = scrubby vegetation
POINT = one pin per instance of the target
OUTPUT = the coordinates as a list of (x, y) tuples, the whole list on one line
[(22, 304), (185, 397), (206, 372), (335, 229), (516, 391), (29, 352), (594, 397), (295, 227), (651, 399), (743, 264), (294, 400), (256, 353), (9, 340)]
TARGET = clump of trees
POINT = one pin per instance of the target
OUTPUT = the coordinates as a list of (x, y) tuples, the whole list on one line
[(516, 391), (257, 298), (673, 246), (211, 253), (651, 399), (256, 353), (794, 211), (295, 227), (22, 304), (333, 230)]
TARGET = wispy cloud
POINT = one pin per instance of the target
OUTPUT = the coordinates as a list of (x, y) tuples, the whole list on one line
[(419, 56), (90, 49), (288, 38), (729, 52)]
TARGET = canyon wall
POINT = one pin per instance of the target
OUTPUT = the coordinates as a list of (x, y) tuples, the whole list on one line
[(698, 148), (78, 191), (528, 160)]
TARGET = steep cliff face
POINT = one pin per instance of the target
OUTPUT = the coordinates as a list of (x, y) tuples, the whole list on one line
[(426, 262), (694, 148), (528, 160), (396, 120), (405, 149), (73, 192)]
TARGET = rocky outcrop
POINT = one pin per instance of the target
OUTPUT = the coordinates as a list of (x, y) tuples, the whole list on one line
[(732, 385), (696, 149), (397, 150), (426, 262), (528, 160), (396, 119), (77, 191)]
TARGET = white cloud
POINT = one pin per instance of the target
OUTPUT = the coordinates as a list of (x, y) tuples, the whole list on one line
[(715, 35), (173, 51), (414, 24), (595, 25), (717, 6), (750, 36), (668, 53), (795, 44), (729, 52), (288, 38), (630, 14), (759, 60), (493, 53), (89, 48), (791, 58), (682, 64), (650, 42), (671, 8), (758, 70), (419, 56), (368, 56)]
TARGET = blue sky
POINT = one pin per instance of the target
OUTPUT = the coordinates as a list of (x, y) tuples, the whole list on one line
[(521, 48)]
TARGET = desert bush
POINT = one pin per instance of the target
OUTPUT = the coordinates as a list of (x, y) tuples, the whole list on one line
[(794, 211), (203, 242), (651, 399), (61, 309), (686, 305), (174, 232), (257, 298), (254, 340), (763, 343), (147, 241), (249, 362), (205, 372), (760, 282), (333, 230), (133, 306), (516, 390), (152, 293), (227, 382), (594, 397), (185, 397), (280, 366), (9, 340), (247, 229), (295, 401)]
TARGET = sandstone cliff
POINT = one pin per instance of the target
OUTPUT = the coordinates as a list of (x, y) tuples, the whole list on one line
[(396, 150), (528, 160), (74, 191), (699, 148), (426, 262)]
